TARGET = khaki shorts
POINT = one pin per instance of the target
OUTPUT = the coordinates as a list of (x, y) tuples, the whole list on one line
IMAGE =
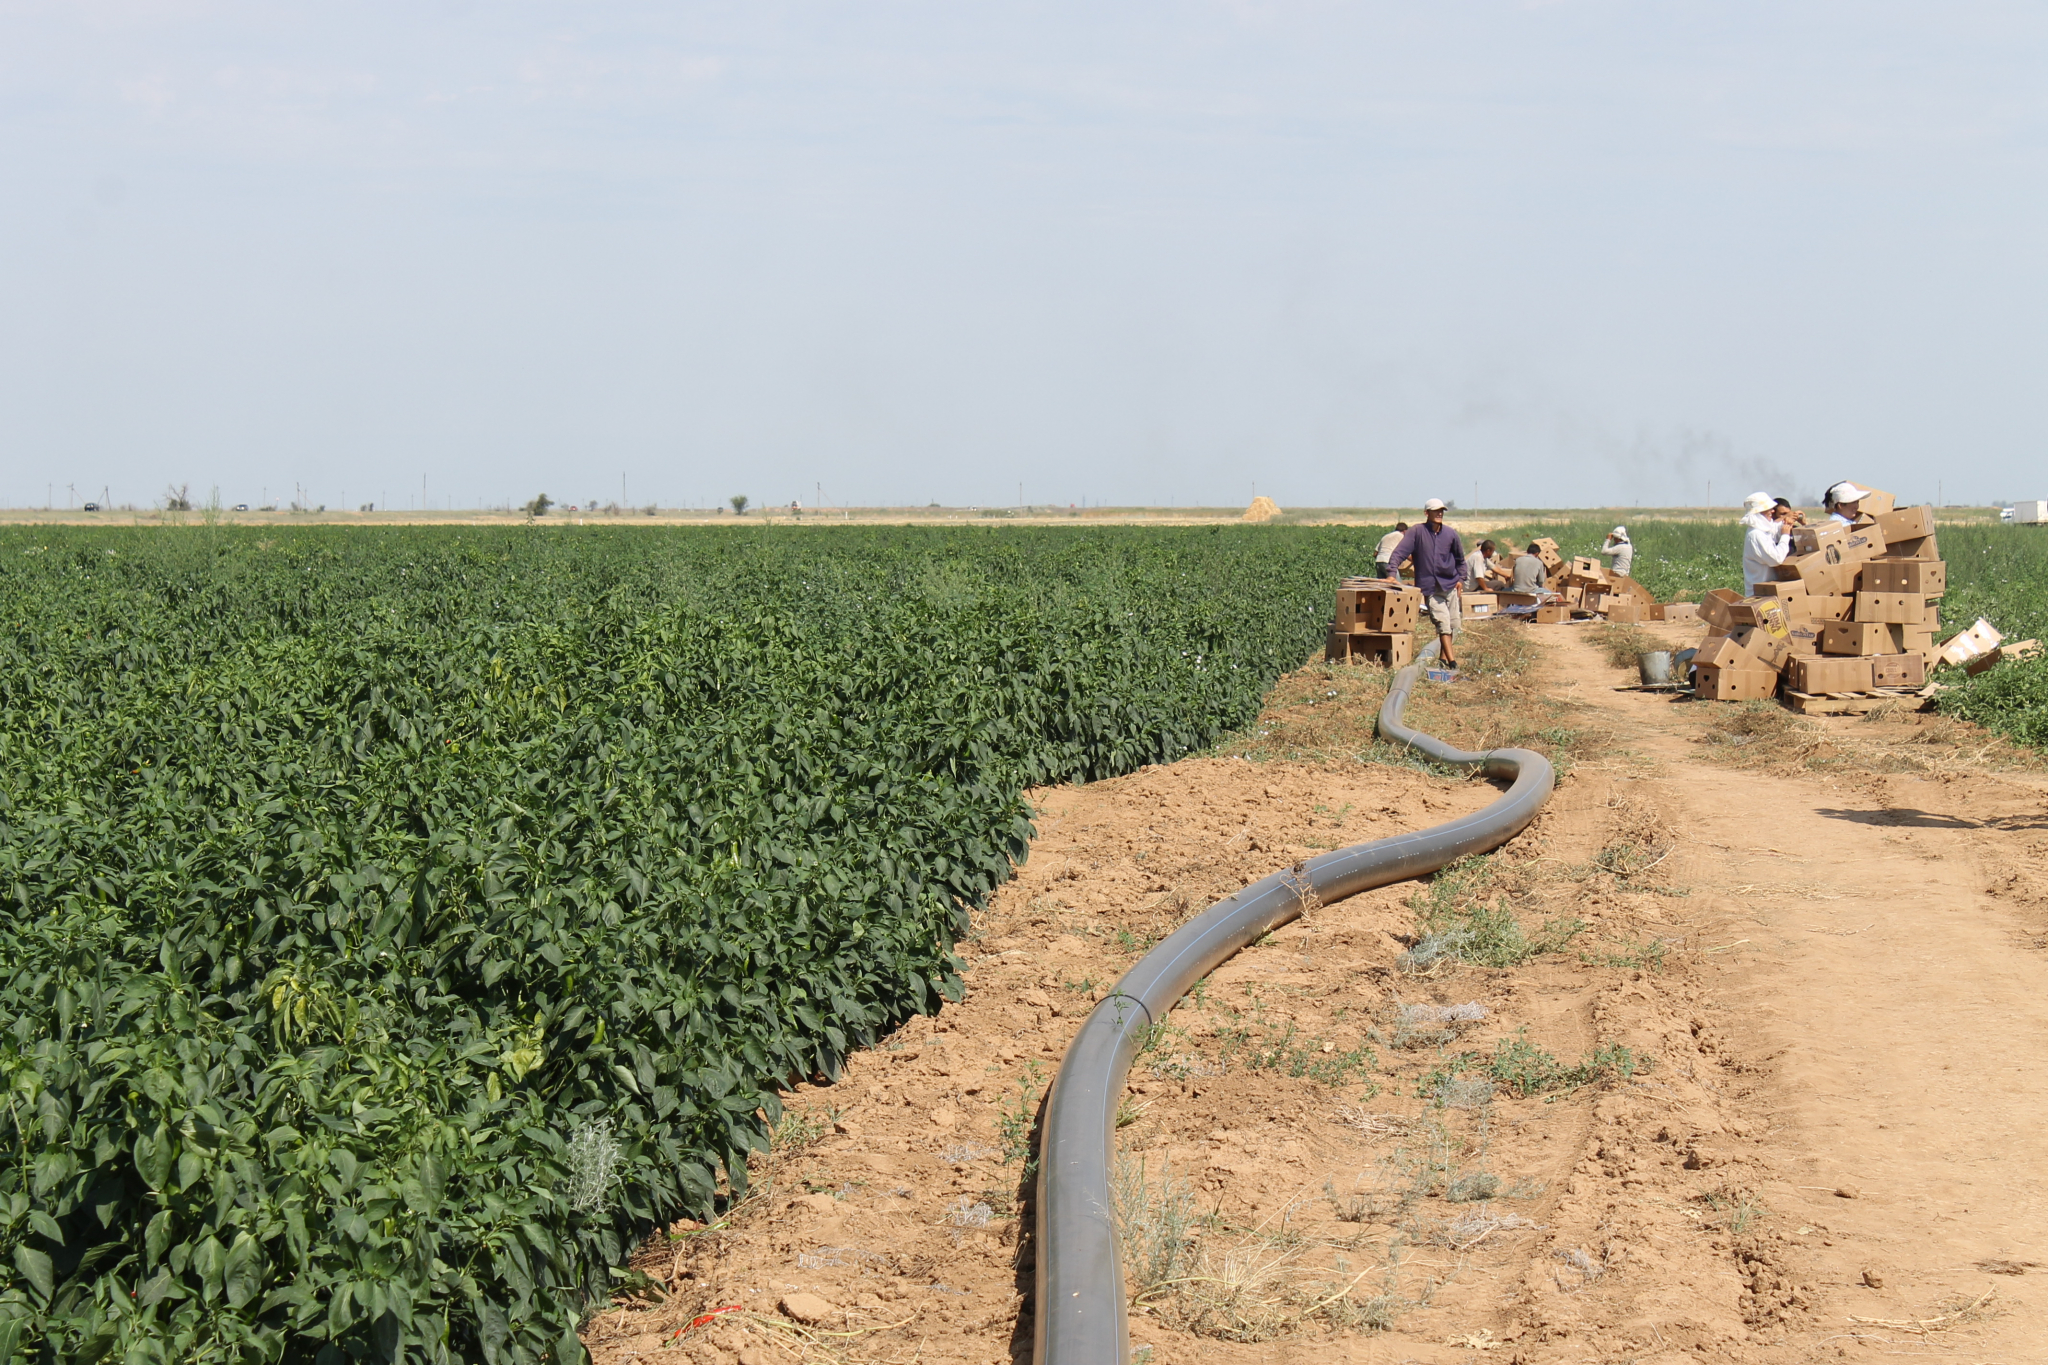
[(1446, 610)]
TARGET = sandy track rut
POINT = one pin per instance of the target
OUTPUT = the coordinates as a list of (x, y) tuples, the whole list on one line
[(1851, 999)]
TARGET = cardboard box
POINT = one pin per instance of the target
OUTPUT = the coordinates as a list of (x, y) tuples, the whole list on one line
[(1681, 611), (1780, 588), (1395, 649), (1712, 683), (1855, 637), (1920, 577), (1832, 607), (1899, 670), (1768, 647), (1909, 640), (1876, 503), (1378, 609), (1804, 639), (1628, 587), (1907, 523), (1546, 550), (1722, 651), (1932, 617), (1967, 645), (1824, 673), (1718, 609), (1552, 613), (1923, 548), (1819, 575), (1898, 608), (1480, 604), (1839, 542), (1585, 566), (1624, 611)]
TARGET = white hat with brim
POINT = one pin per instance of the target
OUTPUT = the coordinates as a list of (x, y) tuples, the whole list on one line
[(1433, 505), (1757, 502), (1621, 531), (1848, 492)]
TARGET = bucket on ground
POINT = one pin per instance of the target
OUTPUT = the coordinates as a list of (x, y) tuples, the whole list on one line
[(1655, 667)]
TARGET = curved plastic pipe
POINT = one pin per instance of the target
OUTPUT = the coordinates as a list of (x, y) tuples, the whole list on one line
[(1080, 1279)]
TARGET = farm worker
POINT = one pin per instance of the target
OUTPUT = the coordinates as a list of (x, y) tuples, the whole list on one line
[(1530, 575), (1439, 570), (1842, 499), (1765, 547), (1483, 568), (1617, 544), (1386, 550)]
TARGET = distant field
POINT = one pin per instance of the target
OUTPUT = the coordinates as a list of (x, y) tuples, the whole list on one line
[(1481, 521)]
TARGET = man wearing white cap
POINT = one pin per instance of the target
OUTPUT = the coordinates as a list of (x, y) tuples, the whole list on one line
[(1842, 499), (1439, 571), (1618, 546)]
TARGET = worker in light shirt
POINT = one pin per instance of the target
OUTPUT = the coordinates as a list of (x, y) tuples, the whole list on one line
[(1623, 552), (1843, 499), (1766, 546), (1385, 551)]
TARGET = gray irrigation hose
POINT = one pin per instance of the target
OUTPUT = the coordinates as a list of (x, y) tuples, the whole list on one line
[(1080, 1308)]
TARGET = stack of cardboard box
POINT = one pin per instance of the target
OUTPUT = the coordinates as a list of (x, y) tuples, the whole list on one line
[(1852, 610), (1586, 587), (1375, 620)]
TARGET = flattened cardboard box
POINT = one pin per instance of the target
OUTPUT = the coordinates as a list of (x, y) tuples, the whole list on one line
[(1826, 673)]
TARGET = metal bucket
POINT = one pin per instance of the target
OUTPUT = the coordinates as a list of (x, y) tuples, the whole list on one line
[(1655, 667)]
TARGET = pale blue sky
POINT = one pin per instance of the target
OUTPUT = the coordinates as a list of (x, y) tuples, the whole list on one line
[(1353, 253)]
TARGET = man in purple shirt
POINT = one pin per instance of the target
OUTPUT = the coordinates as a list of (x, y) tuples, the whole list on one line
[(1439, 571)]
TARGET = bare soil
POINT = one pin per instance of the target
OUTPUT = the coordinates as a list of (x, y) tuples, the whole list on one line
[(1770, 1094)]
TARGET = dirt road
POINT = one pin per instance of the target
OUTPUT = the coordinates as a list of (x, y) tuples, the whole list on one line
[(1741, 1064)]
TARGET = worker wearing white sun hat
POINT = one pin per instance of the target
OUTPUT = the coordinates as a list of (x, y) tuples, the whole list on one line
[(1624, 553), (1842, 499)]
